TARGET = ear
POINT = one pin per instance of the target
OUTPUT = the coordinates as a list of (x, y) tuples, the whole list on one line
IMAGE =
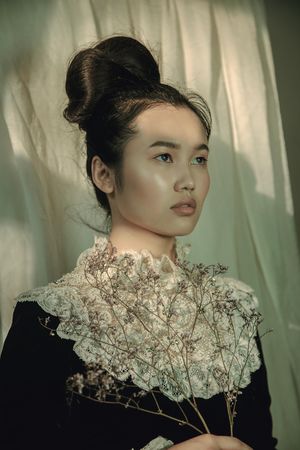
[(102, 175)]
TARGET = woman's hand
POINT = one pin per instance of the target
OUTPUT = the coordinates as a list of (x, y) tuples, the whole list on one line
[(212, 442)]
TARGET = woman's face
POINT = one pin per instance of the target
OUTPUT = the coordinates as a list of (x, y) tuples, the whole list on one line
[(163, 164)]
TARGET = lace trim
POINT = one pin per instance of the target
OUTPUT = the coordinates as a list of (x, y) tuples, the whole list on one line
[(145, 318), (158, 443)]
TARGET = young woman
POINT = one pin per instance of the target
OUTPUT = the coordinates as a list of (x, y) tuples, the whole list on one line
[(176, 358)]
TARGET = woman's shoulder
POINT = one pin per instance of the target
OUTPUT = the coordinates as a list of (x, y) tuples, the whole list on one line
[(30, 321), (32, 336), (239, 290), (59, 299), (237, 284)]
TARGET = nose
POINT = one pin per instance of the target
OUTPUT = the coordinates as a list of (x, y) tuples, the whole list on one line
[(185, 181)]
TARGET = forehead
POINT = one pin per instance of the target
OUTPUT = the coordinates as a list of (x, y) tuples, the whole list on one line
[(167, 121)]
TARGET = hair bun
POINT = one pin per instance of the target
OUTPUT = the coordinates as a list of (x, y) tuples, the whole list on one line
[(115, 63)]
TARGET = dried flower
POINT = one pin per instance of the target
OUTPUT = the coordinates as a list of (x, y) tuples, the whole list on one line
[(179, 329)]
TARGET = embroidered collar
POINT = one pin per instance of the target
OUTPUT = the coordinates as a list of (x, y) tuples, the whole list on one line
[(178, 326)]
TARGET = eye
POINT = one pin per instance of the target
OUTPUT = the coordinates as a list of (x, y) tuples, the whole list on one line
[(163, 155), (201, 160)]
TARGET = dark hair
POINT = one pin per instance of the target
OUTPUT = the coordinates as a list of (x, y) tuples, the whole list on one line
[(108, 86)]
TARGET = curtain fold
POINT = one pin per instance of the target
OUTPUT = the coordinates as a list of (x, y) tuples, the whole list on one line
[(219, 49)]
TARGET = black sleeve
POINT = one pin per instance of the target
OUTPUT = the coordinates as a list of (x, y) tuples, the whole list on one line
[(33, 369), (254, 420)]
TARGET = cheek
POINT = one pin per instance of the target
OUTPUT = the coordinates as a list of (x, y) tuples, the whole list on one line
[(145, 185), (202, 188), (207, 183)]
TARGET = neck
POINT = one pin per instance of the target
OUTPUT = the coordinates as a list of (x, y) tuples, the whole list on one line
[(138, 239)]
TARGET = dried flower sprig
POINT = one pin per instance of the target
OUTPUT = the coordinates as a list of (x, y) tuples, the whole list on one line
[(98, 385), (157, 324)]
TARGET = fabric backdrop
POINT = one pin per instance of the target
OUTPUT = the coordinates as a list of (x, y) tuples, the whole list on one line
[(219, 49)]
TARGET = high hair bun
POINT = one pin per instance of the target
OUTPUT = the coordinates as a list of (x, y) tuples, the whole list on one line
[(114, 64)]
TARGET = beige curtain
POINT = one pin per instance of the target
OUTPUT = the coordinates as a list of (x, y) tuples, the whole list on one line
[(220, 49)]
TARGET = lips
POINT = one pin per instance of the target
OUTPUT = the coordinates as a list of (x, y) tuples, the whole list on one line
[(188, 202)]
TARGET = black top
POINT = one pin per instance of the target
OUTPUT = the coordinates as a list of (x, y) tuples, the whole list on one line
[(35, 411)]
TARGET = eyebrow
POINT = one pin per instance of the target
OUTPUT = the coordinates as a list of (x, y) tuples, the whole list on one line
[(176, 146)]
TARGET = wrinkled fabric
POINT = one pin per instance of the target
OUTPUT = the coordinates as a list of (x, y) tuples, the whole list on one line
[(219, 49)]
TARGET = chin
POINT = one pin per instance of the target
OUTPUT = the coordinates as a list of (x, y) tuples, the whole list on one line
[(184, 233), (185, 227), (177, 231)]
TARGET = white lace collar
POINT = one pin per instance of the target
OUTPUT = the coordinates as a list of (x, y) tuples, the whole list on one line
[(176, 325)]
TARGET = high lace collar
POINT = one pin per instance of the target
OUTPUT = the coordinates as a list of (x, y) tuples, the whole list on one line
[(162, 263), (144, 317)]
